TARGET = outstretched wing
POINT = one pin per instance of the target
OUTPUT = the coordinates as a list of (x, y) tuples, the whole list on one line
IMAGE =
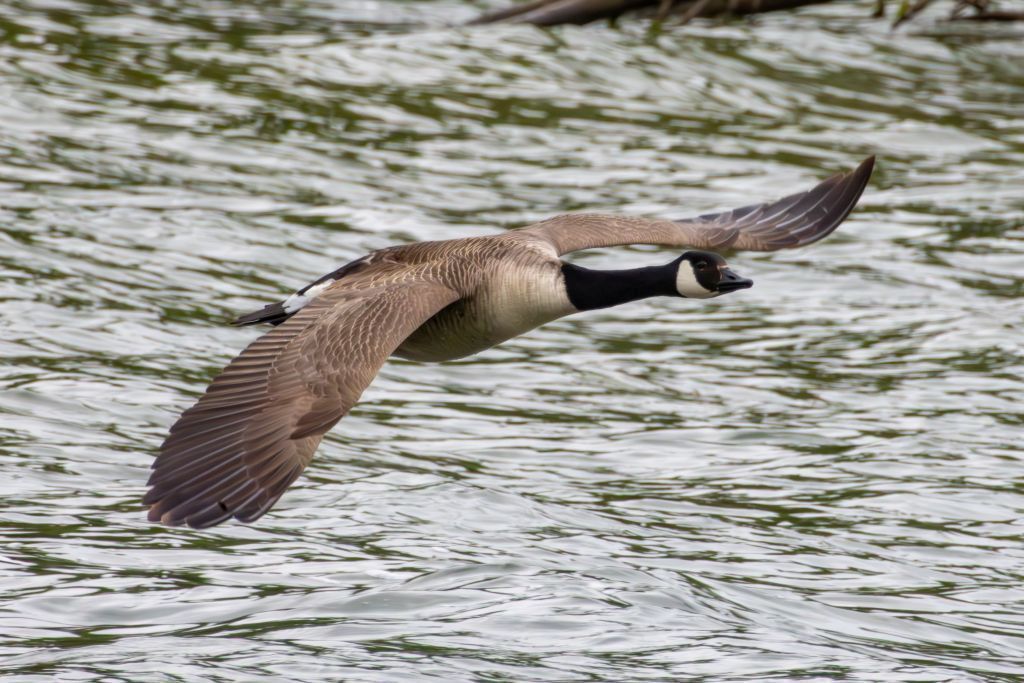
[(246, 440), (790, 222)]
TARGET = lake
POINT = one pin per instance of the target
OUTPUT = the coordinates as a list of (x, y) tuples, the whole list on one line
[(816, 479)]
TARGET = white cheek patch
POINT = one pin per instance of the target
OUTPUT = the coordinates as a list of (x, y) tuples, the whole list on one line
[(687, 285), (297, 300)]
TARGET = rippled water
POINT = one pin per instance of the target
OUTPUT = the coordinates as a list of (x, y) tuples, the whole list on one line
[(819, 478)]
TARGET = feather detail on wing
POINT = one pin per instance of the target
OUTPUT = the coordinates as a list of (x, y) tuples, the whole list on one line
[(249, 437), (790, 222)]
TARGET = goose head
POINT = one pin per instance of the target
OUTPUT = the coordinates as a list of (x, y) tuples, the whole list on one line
[(703, 274)]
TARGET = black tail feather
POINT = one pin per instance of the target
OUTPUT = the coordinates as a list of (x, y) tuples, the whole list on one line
[(273, 314)]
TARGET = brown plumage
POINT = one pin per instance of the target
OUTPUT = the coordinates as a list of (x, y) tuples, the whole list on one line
[(255, 429), (788, 223)]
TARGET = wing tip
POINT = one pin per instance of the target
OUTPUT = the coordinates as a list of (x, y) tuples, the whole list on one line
[(853, 183), (216, 494), (861, 175), (210, 516), (847, 188), (195, 517)]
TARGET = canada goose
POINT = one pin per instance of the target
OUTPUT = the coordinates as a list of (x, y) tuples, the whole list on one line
[(235, 451)]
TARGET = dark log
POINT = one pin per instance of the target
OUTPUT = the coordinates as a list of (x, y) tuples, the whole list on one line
[(991, 16), (553, 12)]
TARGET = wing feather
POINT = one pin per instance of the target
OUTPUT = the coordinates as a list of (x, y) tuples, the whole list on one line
[(249, 437), (793, 221)]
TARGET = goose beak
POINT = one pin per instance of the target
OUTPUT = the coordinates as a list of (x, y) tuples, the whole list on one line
[(730, 282)]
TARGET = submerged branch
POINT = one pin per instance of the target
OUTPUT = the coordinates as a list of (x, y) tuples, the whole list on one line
[(991, 16), (554, 12)]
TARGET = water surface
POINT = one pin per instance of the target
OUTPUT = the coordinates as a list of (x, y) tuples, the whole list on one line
[(816, 479)]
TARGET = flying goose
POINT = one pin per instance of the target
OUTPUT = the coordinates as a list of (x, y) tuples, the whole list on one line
[(235, 451)]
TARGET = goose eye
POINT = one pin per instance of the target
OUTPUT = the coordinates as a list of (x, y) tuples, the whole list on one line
[(702, 265)]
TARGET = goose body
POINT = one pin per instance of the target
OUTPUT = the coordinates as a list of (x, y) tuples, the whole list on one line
[(511, 288), (235, 451)]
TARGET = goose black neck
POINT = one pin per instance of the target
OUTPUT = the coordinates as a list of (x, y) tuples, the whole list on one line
[(589, 289)]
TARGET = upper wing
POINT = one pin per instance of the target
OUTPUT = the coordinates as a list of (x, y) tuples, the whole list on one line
[(245, 441), (792, 221)]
